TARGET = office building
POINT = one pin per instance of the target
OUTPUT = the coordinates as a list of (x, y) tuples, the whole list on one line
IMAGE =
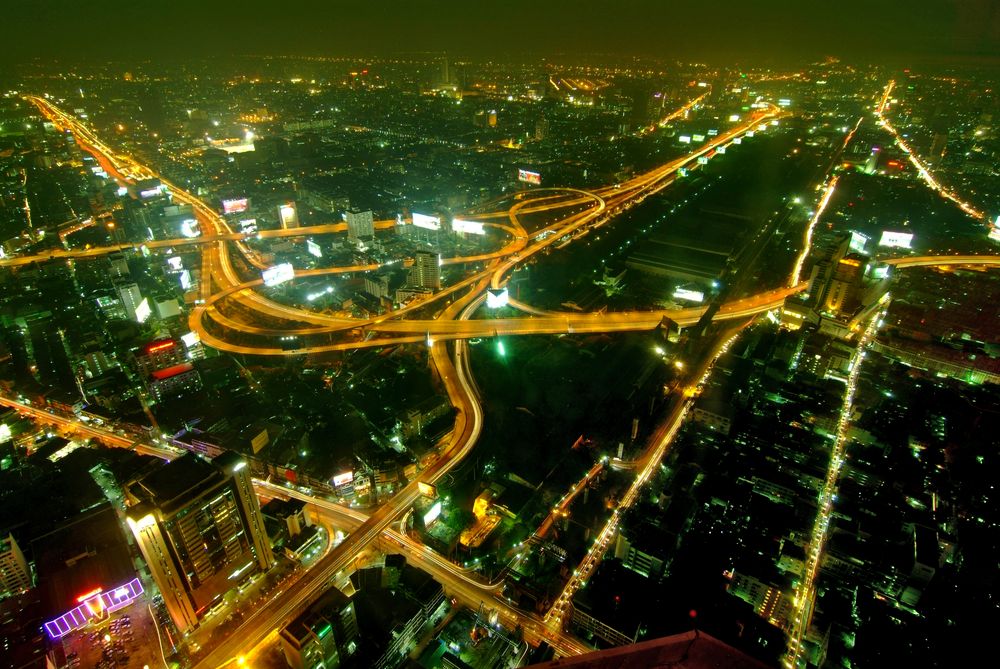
[(323, 634), (426, 271), (158, 354), (15, 575), (172, 381), (200, 529), (132, 301), (360, 225)]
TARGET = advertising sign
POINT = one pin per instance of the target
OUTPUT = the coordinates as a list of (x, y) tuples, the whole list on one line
[(235, 206), (426, 222), (278, 274), (529, 177), (468, 227), (898, 240)]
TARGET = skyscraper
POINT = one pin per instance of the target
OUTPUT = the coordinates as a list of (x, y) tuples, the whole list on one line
[(426, 270), (360, 225), (199, 527), (288, 215), (132, 301), (322, 634), (15, 576)]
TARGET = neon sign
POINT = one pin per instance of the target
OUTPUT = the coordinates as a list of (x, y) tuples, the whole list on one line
[(94, 605)]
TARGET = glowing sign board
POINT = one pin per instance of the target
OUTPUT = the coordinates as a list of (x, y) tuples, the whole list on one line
[(149, 192), (737, 140), (529, 177), (432, 514), (426, 222), (313, 248), (899, 240), (858, 241), (698, 138), (235, 206), (689, 295), (189, 228), (497, 298), (468, 227), (95, 605), (248, 225), (703, 160), (721, 149), (176, 263), (343, 479), (427, 489), (185, 279), (733, 118), (278, 274), (191, 339), (684, 139), (288, 215)]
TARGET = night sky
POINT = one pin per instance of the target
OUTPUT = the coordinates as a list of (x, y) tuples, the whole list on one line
[(891, 31)]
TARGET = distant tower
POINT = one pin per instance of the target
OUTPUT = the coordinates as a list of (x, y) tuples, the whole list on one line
[(199, 527), (426, 270)]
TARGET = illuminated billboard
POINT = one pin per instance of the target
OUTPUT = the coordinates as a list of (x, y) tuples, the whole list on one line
[(248, 225), (143, 311), (235, 206), (175, 263), (497, 298), (150, 192), (529, 177), (427, 489), (191, 339), (737, 140), (733, 118), (689, 295), (432, 514), (784, 102), (858, 241), (897, 240), (749, 133), (342, 479), (721, 149), (189, 228), (698, 138), (713, 132), (426, 222), (313, 248), (703, 160), (278, 274), (684, 139), (185, 279), (468, 227), (96, 605)]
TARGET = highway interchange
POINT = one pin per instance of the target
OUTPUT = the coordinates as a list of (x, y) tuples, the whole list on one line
[(222, 281)]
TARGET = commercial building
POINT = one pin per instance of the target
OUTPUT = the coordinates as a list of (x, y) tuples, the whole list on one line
[(323, 634), (176, 380), (15, 575), (158, 354), (132, 301), (426, 270), (200, 529)]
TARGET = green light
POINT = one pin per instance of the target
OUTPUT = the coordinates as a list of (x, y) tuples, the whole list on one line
[(501, 349)]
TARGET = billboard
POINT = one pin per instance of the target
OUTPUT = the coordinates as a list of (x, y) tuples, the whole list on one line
[(248, 225), (235, 206), (191, 339), (703, 160), (689, 295), (737, 140), (342, 479), (898, 240), (733, 118), (273, 276), (721, 150), (858, 241), (150, 192), (698, 138), (175, 263), (426, 222), (432, 514), (684, 139), (427, 489), (497, 298), (185, 279), (313, 248), (529, 177), (189, 228), (468, 227)]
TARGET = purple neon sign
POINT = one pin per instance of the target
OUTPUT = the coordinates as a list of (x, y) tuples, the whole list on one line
[(97, 606)]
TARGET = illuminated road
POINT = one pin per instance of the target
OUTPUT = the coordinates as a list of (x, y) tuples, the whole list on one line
[(941, 261), (805, 593), (922, 170)]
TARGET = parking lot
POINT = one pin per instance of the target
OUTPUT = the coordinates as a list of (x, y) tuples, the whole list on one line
[(124, 641)]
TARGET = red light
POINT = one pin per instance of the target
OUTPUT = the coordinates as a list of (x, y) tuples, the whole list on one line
[(88, 595), (160, 347)]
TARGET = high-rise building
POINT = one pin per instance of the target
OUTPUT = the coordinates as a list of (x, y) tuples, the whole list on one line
[(15, 575), (132, 301), (321, 635), (200, 529), (360, 225), (288, 215), (158, 354), (426, 270)]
